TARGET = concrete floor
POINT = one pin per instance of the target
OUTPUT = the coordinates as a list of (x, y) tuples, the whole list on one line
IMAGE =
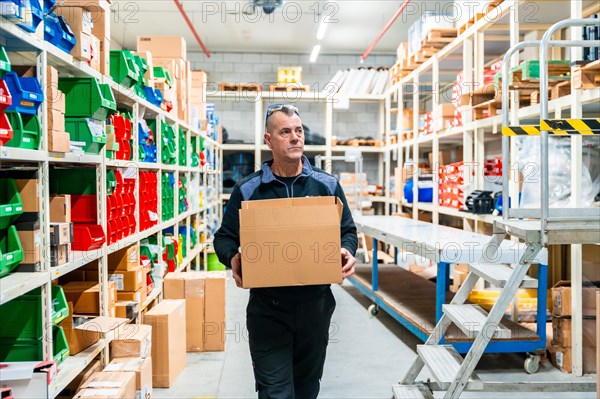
[(365, 357)]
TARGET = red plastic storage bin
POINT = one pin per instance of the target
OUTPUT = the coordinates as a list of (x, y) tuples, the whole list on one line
[(87, 237), (84, 208), (5, 97), (6, 131)]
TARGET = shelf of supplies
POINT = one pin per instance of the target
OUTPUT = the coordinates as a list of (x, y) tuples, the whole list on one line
[(19, 283), (239, 147), (20, 154), (149, 165), (119, 163), (71, 157), (81, 259), (188, 259)]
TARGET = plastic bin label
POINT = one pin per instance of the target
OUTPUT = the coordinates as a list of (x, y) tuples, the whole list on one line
[(96, 127), (3, 65), (27, 103), (118, 279)]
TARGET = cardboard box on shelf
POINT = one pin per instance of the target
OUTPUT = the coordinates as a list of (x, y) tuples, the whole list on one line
[(561, 298), (168, 349), (78, 18), (61, 233), (142, 367), (107, 381), (31, 241), (60, 208), (105, 55), (175, 66), (163, 46), (149, 75), (125, 259), (82, 50), (90, 369), (86, 334), (59, 141), (85, 296), (60, 254), (28, 190), (138, 296), (561, 332), (214, 311), (56, 120), (199, 79), (290, 225), (52, 94), (444, 111), (133, 340), (445, 157), (562, 358), (128, 280), (127, 309), (189, 286), (95, 53)]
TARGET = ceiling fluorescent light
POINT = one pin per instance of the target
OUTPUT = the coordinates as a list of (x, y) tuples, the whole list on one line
[(315, 53), (322, 29)]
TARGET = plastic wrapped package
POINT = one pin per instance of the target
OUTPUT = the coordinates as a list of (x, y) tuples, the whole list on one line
[(559, 155)]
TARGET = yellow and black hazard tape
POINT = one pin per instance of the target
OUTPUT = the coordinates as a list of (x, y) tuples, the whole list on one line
[(571, 126), (521, 130)]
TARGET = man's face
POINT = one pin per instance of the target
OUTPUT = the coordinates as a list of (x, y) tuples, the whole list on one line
[(286, 138)]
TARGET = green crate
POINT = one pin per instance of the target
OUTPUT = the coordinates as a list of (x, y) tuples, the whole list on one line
[(73, 181), (11, 250), (213, 264), (60, 346), (111, 181), (32, 350), (142, 66), (11, 205), (26, 130), (4, 62), (162, 73), (182, 148), (123, 68), (88, 131), (86, 98), (139, 91)]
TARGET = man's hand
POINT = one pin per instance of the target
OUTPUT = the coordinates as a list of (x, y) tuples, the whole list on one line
[(236, 268), (348, 263)]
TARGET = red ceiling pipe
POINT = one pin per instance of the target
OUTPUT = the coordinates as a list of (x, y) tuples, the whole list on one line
[(385, 29), (191, 26)]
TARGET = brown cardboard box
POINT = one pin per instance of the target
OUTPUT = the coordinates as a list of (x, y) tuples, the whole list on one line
[(60, 254), (28, 190), (444, 111), (138, 296), (79, 19), (60, 208), (143, 373), (90, 369), (168, 349), (127, 309), (83, 47), (61, 233), (214, 311), (125, 259), (561, 331), (291, 227), (59, 141), (31, 241), (54, 97), (85, 296), (199, 79), (189, 286), (562, 358), (133, 340), (105, 55), (561, 298), (445, 157), (101, 393), (95, 53), (112, 380), (56, 120), (163, 46), (175, 67), (129, 280), (85, 335)]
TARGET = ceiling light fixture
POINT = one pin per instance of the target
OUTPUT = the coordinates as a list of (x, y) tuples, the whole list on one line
[(315, 53), (322, 29)]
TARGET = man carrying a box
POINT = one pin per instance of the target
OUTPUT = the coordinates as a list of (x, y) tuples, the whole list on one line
[(288, 326)]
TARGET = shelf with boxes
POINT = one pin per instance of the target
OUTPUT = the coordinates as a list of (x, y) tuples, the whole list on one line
[(466, 116), (105, 148)]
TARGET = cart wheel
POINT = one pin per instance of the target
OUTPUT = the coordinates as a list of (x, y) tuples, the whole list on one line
[(532, 364), (373, 310)]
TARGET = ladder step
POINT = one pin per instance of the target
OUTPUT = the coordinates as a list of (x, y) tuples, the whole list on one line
[(444, 363), (471, 320), (498, 275), (418, 391)]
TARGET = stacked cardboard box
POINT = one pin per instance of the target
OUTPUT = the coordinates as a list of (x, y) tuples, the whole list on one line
[(562, 341), (28, 225), (61, 229), (204, 294), (442, 117), (113, 385), (170, 52), (129, 276), (81, 334), (58, 138), (198, 100), (85, 296)]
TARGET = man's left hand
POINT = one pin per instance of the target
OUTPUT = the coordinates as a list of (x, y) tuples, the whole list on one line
[(348, 263)]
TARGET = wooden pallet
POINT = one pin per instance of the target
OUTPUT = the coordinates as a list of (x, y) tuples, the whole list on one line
[(358, 143), (560, 90), (492, 5), (469, 23), (226, 86), (587, 76), (289, 87), (438, 38)]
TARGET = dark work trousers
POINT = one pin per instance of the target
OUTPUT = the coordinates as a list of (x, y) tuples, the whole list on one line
[(288, 342)]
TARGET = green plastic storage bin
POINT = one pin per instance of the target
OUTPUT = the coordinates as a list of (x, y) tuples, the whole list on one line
[(26, 130), (73, 180), (123, 68), (213, 264), (162, 73), (142, 67), (60, 346), (182, 149), (88, 131), (32, 350), (4, 62), (86, 98), (11, 250), (11, 205), (111, 181)]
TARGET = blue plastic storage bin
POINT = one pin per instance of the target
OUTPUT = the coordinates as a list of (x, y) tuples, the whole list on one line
[(26, 93), (153, 96), (58, 32), (37, 15), (12, 9), (425, 191), (48, 5)]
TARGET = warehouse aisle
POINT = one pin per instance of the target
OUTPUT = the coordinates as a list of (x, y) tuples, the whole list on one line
[(365, 357)]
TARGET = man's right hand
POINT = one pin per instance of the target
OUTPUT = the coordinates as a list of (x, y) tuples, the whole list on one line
[(236, 268)]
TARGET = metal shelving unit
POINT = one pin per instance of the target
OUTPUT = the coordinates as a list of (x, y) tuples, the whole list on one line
[(25, 48)]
